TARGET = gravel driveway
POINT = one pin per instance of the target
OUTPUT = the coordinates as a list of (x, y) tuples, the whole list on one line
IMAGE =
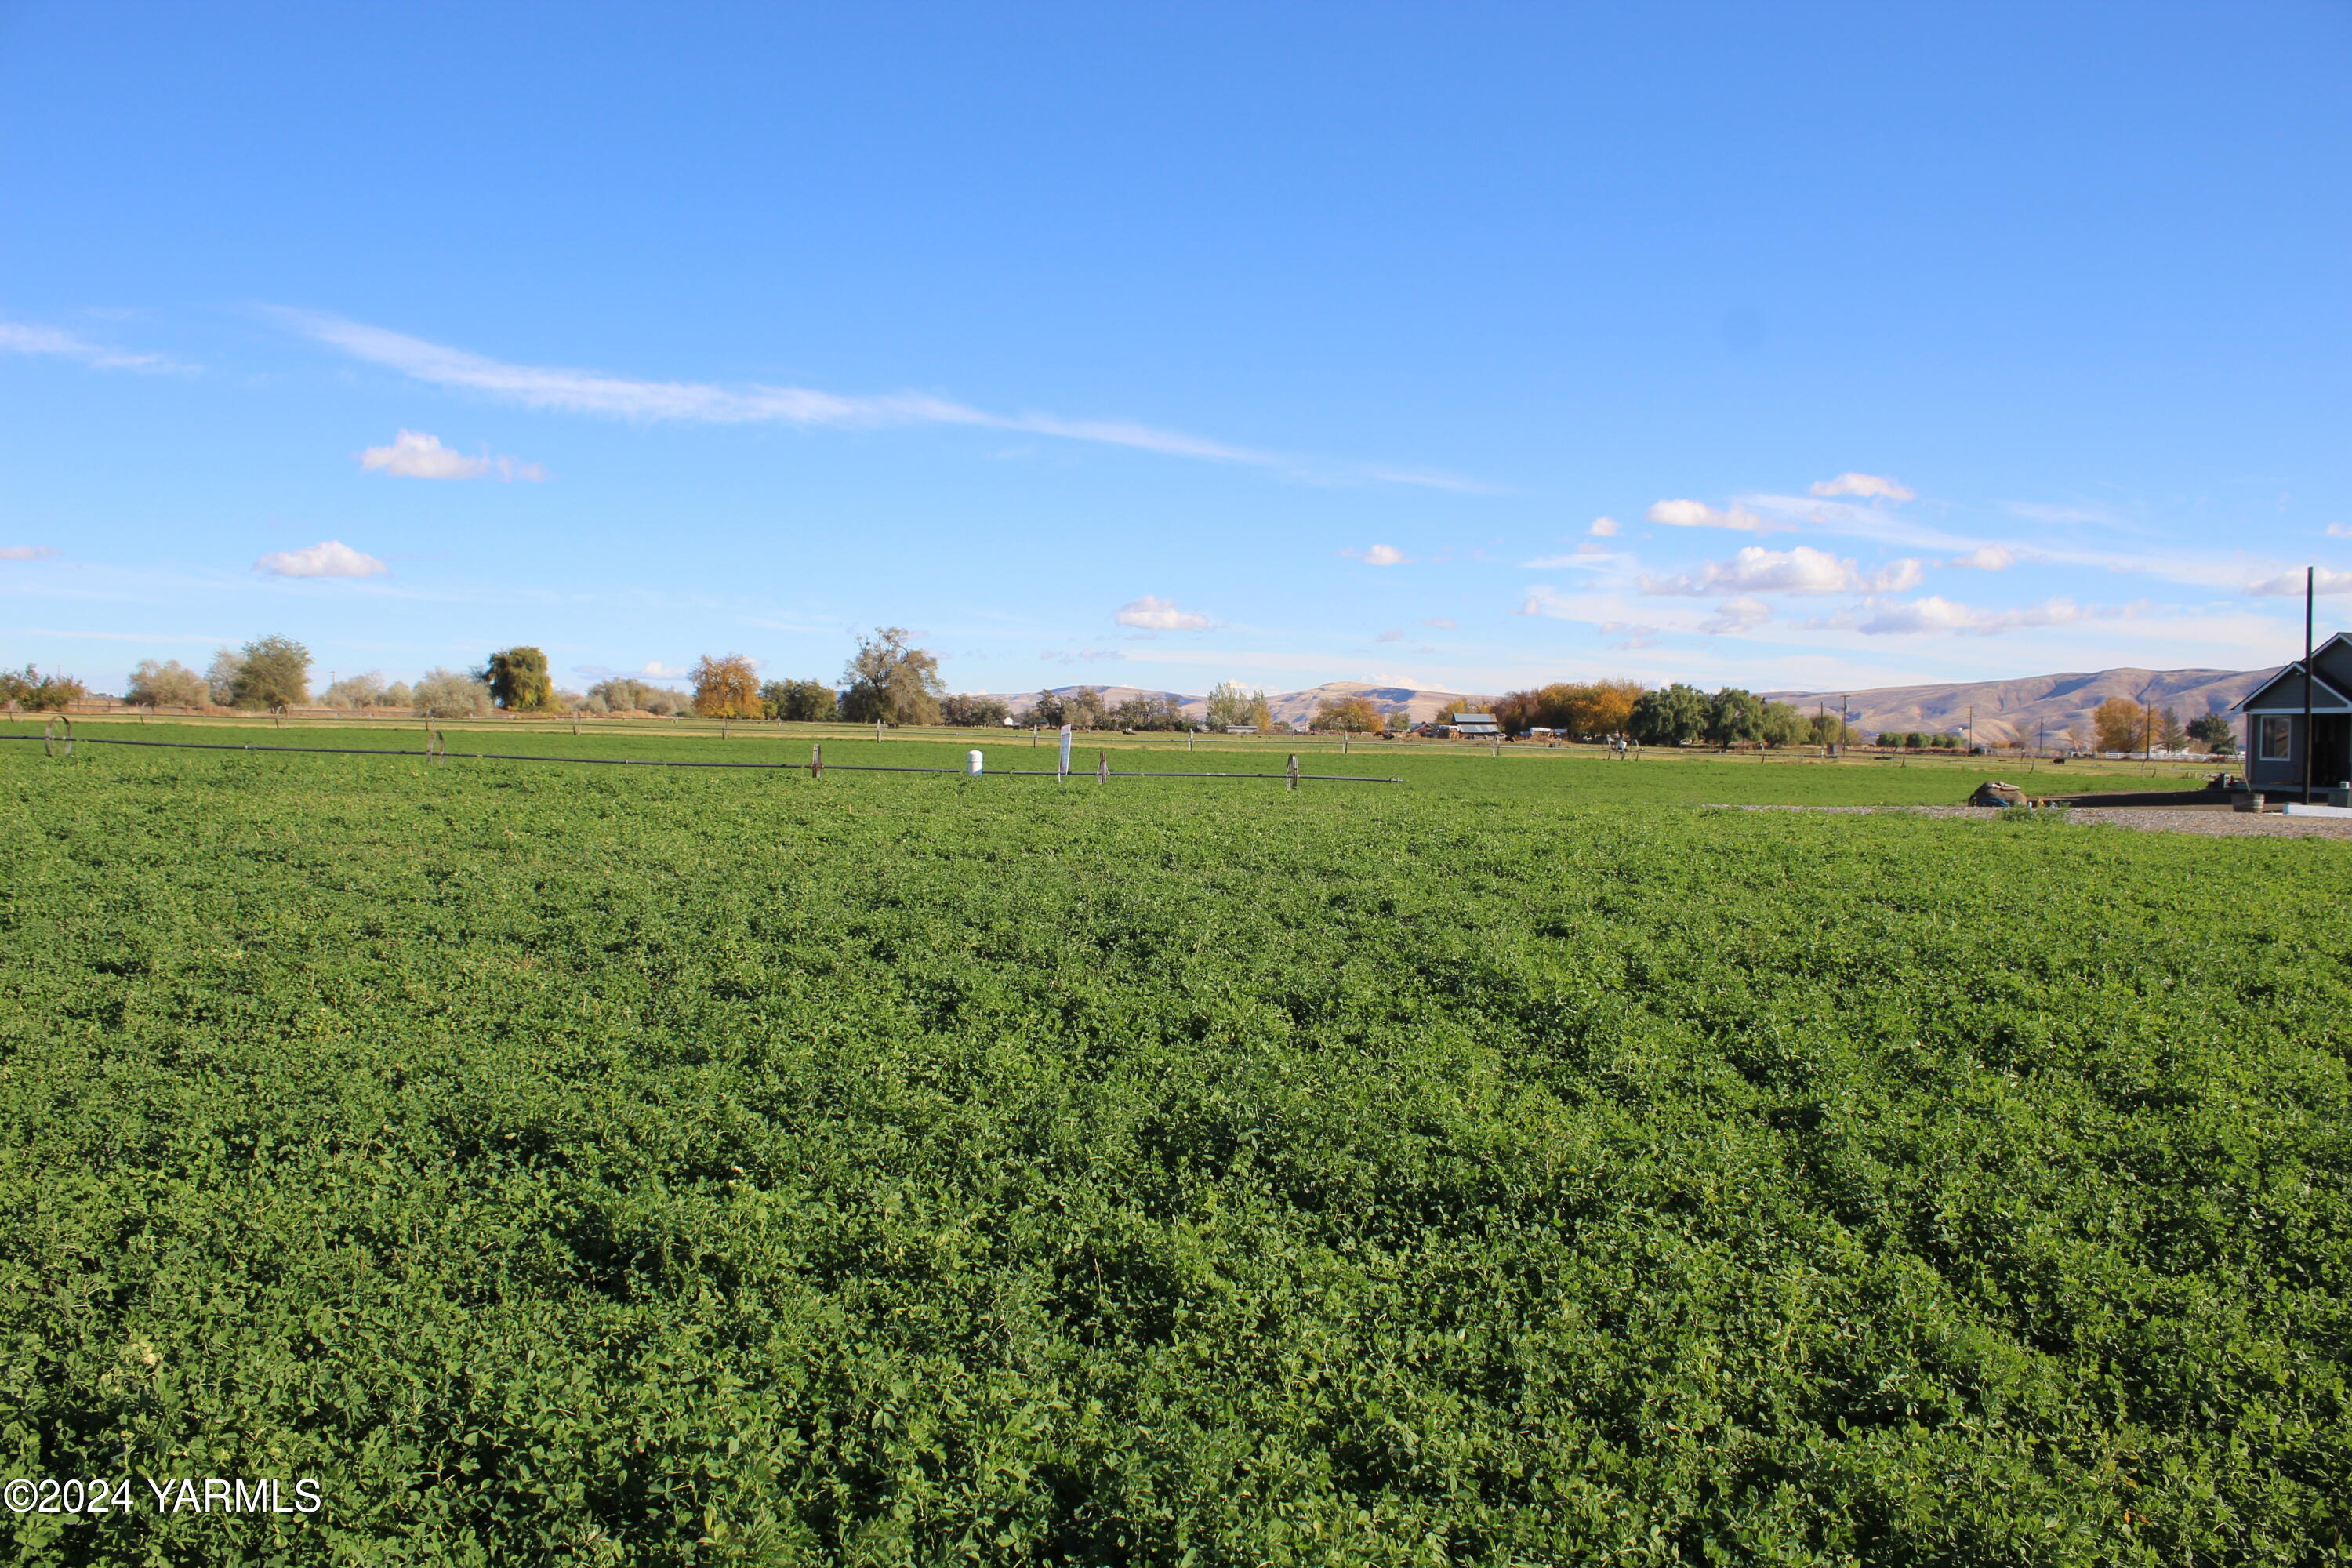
[(2206, 819)]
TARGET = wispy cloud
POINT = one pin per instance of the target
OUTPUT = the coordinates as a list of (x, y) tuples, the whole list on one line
[(573, 391), (1872, 523), (1986, 558), (1865, 485), (1800, 570), (1441, 623), (2041, 512), (1698, 514), (1396, 635), (26, 551), (17, 337), (1935, 613), (1082, 655), (1736, 616), (1379, 555), (1159, 616), (1588, 557), (2288, 584), (330, 558), (1604, 528), (414, 455), (2340, 531)]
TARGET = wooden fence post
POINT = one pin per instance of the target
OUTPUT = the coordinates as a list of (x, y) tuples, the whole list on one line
[(1102, 765), (816, 759), (1290, 774)]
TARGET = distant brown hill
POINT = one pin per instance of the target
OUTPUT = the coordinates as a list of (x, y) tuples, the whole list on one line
[(2015, 710)]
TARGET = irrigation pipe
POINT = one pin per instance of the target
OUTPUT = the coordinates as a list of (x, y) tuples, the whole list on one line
[(440, 753)]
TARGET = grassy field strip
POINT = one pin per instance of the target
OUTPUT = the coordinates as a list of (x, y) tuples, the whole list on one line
[(637, 1166)]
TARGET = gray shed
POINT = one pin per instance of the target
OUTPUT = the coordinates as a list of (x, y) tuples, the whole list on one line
[(2273, 711)]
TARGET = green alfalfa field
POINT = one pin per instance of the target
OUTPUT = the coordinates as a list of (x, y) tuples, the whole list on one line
[(1526, 1164)]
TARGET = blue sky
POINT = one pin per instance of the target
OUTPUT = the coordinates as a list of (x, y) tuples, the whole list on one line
[(1458, 346)]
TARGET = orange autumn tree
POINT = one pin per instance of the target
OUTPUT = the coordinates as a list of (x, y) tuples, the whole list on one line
[(2122, 723), (725, 687)]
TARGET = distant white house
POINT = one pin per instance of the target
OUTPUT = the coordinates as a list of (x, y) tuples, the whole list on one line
[(1474, 727)]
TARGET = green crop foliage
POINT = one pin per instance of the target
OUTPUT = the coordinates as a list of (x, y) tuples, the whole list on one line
[(1510, 1167)]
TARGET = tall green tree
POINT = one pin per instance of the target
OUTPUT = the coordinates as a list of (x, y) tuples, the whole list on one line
[(970, 708), (1150, 711), (518, 680), (1669, 716), (1231, 704), (2213, 732), (271, 672), (2170, 732), (800, 701), (887, 680), (1734, 715)]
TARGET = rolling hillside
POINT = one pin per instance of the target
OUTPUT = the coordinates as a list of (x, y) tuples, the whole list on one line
[(2015, 710)]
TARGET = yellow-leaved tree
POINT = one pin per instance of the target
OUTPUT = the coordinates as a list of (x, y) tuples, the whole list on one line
[(2122, 724), (725, 687)]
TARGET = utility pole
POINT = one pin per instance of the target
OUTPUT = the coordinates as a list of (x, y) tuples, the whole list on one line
[(2310, 579)]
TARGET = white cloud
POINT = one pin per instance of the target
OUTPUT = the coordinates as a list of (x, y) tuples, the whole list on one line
[(1390, 637), (1434, 479), (2041, 511), (1604, 528), (1588, 556), (1865, 485), (1936, 614), (2340, 531), (332, 558), (26, 551), (1635, 636), (414, 455), (656, 670), (1081, 656), (1159, 616), (1756, 570), (18, 338), (1698, 514), (625, 397), (2289, 585), (1845, 517), (1986, 558), (1736, 616), (1894, 578), (1441, 623), (1379, 555)]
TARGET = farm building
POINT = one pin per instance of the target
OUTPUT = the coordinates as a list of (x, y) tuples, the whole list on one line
[(2273, 711), (1476, 726)]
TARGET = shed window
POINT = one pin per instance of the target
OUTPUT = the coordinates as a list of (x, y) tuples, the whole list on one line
[(2275, 733)]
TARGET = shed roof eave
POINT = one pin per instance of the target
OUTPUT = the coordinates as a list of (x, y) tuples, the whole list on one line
[(2252, 701)]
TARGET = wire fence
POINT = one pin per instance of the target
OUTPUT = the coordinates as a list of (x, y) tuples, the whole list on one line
[(58, 739)]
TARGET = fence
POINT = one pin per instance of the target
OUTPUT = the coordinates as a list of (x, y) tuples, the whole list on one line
[(58, 739)]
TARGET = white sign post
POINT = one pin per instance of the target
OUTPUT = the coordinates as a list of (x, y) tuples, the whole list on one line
[(1063, 771), (971, 763)]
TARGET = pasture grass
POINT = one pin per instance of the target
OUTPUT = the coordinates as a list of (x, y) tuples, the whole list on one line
[(652, 1166)]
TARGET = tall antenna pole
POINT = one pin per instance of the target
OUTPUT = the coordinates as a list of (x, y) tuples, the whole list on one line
[(2310, 576)]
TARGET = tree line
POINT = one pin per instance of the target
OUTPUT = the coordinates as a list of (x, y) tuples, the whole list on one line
[(889, 680)]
